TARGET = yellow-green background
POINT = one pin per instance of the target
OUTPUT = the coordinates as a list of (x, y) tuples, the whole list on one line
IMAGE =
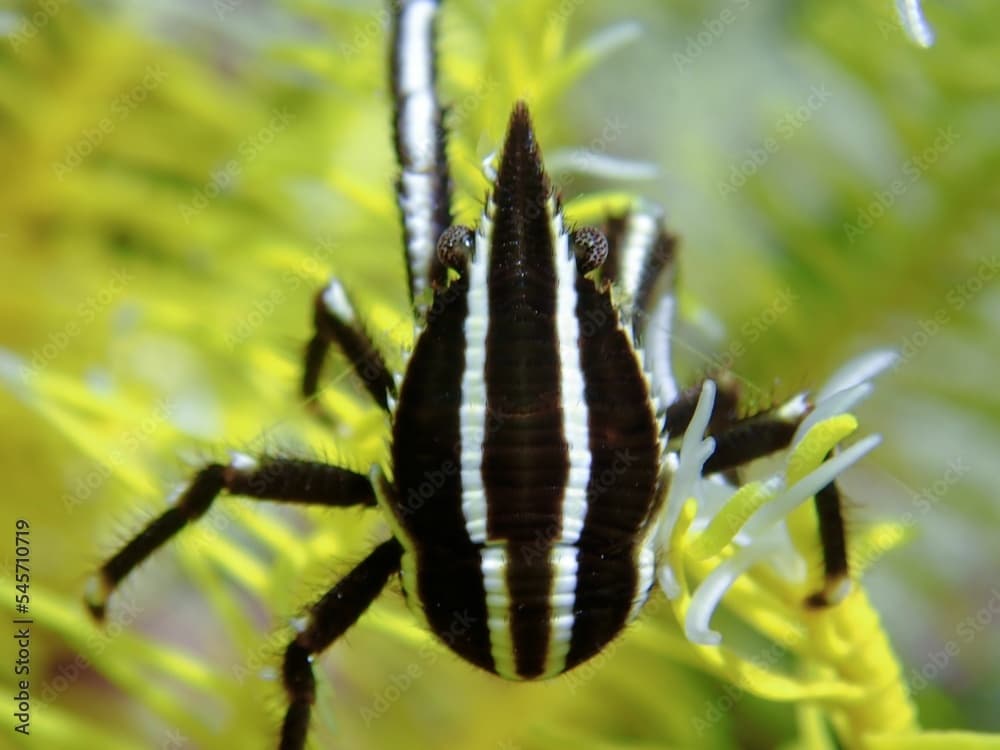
[(197, 349)]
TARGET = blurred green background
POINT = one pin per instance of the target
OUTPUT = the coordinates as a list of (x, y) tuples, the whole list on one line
[(179, 177)]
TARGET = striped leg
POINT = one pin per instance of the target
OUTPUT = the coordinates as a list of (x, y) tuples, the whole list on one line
[(740, 441), (641, 263), (337, 322), (423, 194), (329, 618), (423, 190), (282, 479), (833, 538)]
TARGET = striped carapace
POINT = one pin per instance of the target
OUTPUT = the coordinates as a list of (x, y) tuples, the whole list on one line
[(534, 425)]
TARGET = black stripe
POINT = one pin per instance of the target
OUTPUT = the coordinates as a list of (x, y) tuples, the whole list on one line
[(604, 591), (614, 231), (749, 440), (725, 410), (529, 581), (623, 431), (832, 532), (427, 472), (621, 492), (833, 539), (525, 457), (450, 584), (426, 429)]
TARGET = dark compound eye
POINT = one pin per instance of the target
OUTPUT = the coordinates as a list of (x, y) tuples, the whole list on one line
[(590, 247), (454, 247)]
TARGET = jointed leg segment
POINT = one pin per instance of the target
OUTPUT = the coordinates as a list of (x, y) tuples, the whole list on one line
[(282, 479), (423, 191), (423, 195), (329, 617), (336, 322)]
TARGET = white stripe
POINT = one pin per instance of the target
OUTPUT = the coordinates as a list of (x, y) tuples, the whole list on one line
[(563, 558), (336, 302), (418, 110), (638, 245), (472, 414), (656, 334), (242, 463), (575, 415), (498, 620), (563, 563), (639, 239), (416, 200), (417, 129), (645, 568), (415, 58)]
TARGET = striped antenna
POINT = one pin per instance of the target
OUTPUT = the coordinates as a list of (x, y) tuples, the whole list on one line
[(423, 189)]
